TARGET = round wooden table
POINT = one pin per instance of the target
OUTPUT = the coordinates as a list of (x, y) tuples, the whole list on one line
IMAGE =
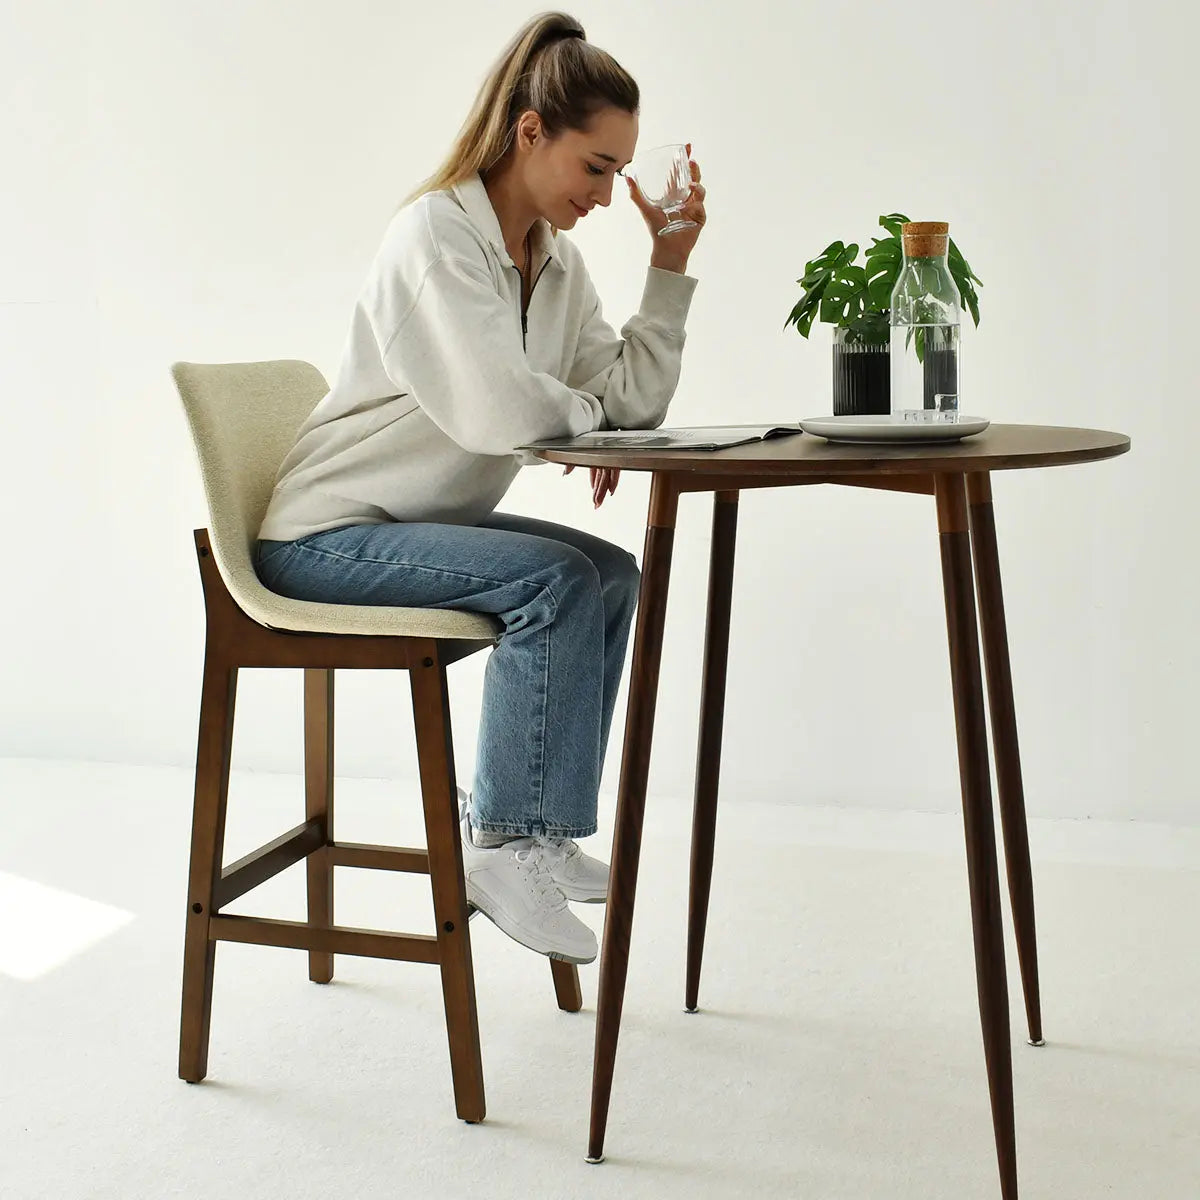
[(958, 476)]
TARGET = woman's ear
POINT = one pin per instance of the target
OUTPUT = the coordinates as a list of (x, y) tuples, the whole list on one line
[(529, 129)]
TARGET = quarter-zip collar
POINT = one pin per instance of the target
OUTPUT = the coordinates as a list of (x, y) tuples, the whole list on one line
[(476, 203)]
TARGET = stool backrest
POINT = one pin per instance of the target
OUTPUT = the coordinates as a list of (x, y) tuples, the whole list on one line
[(244, 418)]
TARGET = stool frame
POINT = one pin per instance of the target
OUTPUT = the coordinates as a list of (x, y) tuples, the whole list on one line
[(233, 641)]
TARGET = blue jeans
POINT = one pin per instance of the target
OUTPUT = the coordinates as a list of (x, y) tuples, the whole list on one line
[(566, 601)]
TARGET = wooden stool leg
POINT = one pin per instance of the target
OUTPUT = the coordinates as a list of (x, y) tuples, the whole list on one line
[(712, 719), (1013, 822), (566, 985), (631, 798), (318, 803), (978, 818), (213, 752), (435, 753)]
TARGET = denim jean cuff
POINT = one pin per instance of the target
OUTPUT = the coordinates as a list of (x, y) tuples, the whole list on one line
[(535, 829)]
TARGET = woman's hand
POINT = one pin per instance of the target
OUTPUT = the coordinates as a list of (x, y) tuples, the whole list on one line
[(604, 482), (672, 251)]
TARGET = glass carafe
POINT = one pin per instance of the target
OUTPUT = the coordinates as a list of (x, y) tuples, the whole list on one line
[(925, 321)]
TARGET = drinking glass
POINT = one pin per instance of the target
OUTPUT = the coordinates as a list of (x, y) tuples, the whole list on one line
[(665, 176)]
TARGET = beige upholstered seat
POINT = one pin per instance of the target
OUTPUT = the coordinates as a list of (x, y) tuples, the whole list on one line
[(244, 418)]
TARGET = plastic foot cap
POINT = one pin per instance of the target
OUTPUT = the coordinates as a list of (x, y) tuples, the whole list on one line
[(595, 1161), (1039, 1042), (691, 1010)]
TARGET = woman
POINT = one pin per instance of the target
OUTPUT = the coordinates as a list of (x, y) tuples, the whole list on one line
[(478, 330)]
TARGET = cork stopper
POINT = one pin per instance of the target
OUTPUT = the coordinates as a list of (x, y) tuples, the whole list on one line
[(925, 239)]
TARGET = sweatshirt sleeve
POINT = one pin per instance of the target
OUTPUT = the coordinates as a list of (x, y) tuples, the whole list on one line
[(457, 351), (635, 373)]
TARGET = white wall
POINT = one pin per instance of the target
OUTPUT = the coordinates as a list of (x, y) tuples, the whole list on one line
[(209, 182)]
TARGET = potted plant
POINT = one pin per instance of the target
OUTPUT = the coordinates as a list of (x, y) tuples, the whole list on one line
[(855, 301)]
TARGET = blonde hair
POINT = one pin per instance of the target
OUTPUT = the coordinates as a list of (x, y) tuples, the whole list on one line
[(549, 67)]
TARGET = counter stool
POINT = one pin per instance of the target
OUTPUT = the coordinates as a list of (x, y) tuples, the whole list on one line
[(244, 418)]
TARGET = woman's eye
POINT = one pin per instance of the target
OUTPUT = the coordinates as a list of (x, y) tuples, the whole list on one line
[(594, 170)]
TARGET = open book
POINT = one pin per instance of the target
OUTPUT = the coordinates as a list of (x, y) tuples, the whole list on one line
[(704, 437)]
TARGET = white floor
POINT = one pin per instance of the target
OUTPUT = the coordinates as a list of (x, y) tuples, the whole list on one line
[(837, 1054)]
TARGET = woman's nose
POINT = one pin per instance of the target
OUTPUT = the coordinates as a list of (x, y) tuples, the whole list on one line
[(604, 196)]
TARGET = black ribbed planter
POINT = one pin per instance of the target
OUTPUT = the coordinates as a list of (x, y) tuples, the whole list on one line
[(862, 380)]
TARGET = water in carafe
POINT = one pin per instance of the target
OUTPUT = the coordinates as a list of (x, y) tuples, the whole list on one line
[(924, 362)]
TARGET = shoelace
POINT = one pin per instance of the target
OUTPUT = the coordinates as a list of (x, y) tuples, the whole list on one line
[(540, 858)]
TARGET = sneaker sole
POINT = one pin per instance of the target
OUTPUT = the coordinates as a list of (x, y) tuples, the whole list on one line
[(580, 898), (521, 936)]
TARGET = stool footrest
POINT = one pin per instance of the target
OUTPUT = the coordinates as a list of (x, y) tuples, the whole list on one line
[(336, 939), (289, 848), (379, 858), (267, 861)]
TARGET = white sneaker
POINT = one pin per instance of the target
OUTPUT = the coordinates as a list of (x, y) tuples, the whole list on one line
[(581, 877), (514, 886)]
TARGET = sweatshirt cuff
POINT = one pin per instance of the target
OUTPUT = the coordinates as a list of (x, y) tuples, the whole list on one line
[(667, 298)]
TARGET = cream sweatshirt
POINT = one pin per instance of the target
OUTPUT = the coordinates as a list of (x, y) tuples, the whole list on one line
[(441, 379)]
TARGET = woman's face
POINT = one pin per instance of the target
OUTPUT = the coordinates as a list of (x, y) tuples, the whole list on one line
[(568, 175)]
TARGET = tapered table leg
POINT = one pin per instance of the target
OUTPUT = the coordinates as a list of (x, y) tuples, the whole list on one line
[(631, 797), (712, 720), (1004, 736), (978, 820)]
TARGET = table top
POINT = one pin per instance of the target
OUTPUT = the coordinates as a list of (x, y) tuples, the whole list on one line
[(997, 448)]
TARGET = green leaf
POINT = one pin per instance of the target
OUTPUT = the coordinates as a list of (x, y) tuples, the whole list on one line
[(834, 287), (827, 257), (973, 305), (805, 309), (963, 275), (813, 274), (884, 260), (879, 292), (820, 266), (869, 327), (852, 277), (885, 248), (956, 260), (845, 296)]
